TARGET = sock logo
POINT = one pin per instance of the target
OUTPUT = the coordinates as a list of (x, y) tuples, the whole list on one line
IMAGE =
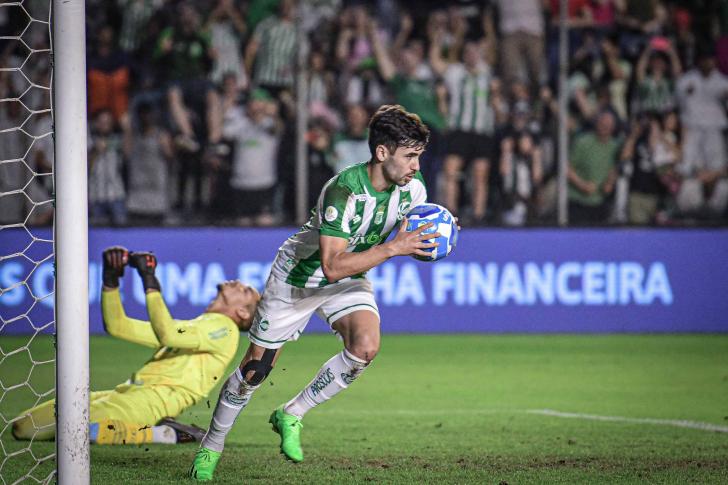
[(348, 378), (323, 380), (235, 399)]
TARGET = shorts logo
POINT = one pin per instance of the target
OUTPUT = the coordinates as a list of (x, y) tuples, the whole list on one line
[(323, 380), (263, 325), (331, 213)]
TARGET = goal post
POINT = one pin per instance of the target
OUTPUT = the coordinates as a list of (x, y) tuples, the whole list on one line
[(71, 241)]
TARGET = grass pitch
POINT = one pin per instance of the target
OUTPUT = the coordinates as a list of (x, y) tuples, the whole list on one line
[(445, 409)]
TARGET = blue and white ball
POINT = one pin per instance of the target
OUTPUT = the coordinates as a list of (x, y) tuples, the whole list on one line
[(444, 223)]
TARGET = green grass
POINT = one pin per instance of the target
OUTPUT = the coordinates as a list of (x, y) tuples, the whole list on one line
[(447, 409)]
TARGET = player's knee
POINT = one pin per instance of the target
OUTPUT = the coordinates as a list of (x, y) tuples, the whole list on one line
[(365, 349)]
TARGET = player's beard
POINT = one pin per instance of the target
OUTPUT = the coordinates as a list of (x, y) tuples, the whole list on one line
[(391, 177)]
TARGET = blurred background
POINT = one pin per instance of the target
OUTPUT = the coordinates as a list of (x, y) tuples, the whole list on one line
[(235, 113)]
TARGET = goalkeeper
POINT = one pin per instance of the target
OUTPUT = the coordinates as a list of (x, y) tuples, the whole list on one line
[(189, 359)]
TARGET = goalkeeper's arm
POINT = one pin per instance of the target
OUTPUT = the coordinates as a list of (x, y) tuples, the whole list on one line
[(116, 322), (169, 332)]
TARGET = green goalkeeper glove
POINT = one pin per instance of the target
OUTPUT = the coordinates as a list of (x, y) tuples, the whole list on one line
[(115, 259), (145, 264)]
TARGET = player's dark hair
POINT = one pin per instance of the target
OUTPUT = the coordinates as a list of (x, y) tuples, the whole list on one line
[(393, 127)]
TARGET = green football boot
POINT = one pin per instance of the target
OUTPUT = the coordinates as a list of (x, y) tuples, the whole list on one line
[(203, 466), (289, 427)]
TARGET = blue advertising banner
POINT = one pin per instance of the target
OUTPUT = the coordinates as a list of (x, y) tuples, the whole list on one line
[(535, 280)]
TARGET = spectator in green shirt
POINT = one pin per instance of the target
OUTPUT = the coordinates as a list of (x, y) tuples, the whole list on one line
[(186, 56), (593, 171)]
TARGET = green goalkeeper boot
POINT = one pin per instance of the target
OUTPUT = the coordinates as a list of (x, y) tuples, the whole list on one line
[(289, 427), (204, 464)]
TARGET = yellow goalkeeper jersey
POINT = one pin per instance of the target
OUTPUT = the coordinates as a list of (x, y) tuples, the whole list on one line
[(191, 355)]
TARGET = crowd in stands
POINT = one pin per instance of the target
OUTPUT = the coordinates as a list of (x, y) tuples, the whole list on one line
[(192, 106)]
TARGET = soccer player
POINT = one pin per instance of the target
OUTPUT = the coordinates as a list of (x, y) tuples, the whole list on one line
[(190, 356), (321, 269)]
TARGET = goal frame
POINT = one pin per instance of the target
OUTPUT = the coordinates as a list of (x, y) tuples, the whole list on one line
[(68, 44)]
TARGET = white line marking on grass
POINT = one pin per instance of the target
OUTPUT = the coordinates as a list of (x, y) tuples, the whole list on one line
[(678, 423)]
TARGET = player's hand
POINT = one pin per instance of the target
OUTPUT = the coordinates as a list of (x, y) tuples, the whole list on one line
[(145, 264), (115, 258), (407, 243)]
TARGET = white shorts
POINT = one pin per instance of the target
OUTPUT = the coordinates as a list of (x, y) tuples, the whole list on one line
[(284, 310)]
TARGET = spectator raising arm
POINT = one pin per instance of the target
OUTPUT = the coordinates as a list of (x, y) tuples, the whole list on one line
[(437, 62), (386, 66)]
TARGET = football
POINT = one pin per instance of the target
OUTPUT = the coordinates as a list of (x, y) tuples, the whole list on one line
[(444, 223)]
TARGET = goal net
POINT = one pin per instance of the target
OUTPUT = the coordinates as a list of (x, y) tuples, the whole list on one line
[(28, 331)]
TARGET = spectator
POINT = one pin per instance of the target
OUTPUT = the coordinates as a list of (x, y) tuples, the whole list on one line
[(270, 53), (134, 17), (106, 193), (352, 145), (354, 54), (592, 172), (655, 86), (470, 142), (320, 81), (613, 72), (226, 27), (521, 25), (702, 93), (108, 77), (20, 207), (582, 81), (186, 55), (636, 19), (255, 132), (649, 155), (683, 37), (320, 154), (148, 149), (415, 94), (602, 13), (521, 171)]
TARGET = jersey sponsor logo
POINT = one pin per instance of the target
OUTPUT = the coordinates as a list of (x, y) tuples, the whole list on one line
[(402, 209), (323, 380), (331, 213), (364, 239), (356, 219)]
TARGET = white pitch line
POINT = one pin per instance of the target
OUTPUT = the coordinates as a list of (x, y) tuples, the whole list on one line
[(543, 412), (678, 423)]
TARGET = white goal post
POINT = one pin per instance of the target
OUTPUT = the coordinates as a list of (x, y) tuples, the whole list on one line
[(71, 241)]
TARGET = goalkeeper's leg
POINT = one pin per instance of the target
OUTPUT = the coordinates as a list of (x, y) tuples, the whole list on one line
[(360, 331), (109, 423)]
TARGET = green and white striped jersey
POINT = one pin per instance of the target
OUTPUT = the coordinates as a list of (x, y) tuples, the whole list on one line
[(348, 207)]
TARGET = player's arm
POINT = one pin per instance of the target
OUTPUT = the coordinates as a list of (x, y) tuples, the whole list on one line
[(337, 263), (169, 332), (116, 322)]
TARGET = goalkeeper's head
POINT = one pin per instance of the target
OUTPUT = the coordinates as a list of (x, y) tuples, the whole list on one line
[(237, 301)]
